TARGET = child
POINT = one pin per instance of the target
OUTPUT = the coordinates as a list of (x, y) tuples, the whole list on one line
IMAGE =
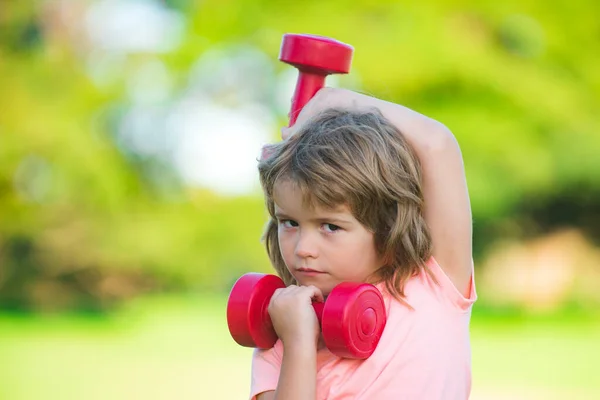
[(364, 190)]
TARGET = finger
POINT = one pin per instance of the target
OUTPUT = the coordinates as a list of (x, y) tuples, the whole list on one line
[(314, 105), (291, 290), (315, 293), (282, 291), (295, 290), (275, 295)]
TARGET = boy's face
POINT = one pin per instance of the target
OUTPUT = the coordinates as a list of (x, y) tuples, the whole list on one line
[(322, 247)]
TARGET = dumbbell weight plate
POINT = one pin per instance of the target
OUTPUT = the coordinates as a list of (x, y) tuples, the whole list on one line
[(247, 310), (353, 320), (316, 54)]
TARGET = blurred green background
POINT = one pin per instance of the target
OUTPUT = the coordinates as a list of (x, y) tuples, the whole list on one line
[(129, 198)]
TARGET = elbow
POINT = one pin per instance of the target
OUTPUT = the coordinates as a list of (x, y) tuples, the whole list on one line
[(441, 140)]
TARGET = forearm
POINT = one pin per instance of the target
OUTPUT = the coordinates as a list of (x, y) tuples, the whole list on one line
[(424, 134), (298, 376)]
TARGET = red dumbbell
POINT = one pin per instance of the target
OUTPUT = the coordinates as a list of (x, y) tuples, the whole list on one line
[(315, 57), (352, 318)]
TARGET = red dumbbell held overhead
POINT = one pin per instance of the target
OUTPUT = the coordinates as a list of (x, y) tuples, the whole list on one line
[(352, 318), (315, 57)]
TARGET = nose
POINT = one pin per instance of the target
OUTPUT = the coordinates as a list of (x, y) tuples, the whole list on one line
[(306, 245)]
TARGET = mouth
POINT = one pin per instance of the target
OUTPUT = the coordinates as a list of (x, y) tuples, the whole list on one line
[(309, 271)]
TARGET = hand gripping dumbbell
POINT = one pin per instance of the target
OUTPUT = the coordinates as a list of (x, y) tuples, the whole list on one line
[(352, 317)]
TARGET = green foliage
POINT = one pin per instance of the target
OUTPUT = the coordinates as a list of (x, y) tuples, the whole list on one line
[(84, 224)]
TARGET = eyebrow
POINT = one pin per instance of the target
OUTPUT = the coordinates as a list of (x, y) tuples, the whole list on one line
[(331, 219)]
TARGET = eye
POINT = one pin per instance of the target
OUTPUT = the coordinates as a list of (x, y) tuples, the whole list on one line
[(288, 223), (330, 228)]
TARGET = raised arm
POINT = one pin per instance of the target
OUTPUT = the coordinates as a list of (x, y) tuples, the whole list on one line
[(447, 205)]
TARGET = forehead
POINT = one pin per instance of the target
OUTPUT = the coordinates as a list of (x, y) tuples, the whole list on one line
[(290, 196)]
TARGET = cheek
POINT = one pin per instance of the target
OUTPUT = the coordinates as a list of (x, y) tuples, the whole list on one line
[(285, 243), (363, 249)]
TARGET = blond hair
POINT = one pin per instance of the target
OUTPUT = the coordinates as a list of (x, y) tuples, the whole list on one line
[(356, 158)]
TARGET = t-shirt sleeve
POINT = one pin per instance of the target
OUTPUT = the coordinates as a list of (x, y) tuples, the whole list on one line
[(266, 365), (456, 298)]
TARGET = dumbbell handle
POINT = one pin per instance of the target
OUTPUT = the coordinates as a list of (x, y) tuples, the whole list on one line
[(307, 85), (319, 306)]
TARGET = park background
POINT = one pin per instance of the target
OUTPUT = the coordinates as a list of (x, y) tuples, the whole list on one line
[(129, 197)]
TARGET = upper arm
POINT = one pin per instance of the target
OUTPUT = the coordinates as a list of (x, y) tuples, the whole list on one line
[(270, 395), (447, 206)]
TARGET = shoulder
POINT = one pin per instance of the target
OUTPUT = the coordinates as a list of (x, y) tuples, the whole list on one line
[(427, 291), (461, 297), (272, 356), (424, 351)]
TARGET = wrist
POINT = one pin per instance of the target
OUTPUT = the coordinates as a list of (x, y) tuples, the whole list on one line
[(300, 346)]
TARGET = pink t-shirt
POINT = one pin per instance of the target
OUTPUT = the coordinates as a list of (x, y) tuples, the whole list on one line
[(423, 353)]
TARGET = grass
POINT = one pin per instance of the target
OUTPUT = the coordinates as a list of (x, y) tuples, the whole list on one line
[(179, 348), (535, 359)]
